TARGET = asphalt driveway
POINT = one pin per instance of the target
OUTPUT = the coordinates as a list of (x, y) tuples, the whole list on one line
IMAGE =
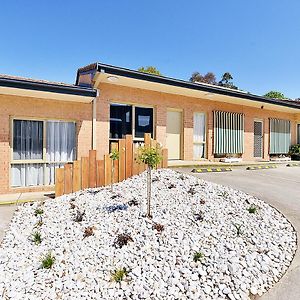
[(280, 188)]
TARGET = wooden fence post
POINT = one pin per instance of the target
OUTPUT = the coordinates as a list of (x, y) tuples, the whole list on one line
[(84, 172), (128, 156), (76, 176), (115, 146), (92, 169), (107, 169), (59, 181), (100, 173), (147, 139), (68, 178), (165, 158), (122, 160)]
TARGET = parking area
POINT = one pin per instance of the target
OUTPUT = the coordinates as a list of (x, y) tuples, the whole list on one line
[(280, 188)]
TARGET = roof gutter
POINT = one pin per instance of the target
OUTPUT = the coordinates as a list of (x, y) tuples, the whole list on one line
[(47, 87)]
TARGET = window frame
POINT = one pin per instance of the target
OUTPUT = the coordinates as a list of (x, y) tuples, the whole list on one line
[(298, 132), (42, 161), (206, 133), (133, 106)]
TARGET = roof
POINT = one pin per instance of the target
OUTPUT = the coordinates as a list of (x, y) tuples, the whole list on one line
[(44, 85), (119, 71)]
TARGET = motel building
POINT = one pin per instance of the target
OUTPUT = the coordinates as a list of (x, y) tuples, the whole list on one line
[(44, 125)]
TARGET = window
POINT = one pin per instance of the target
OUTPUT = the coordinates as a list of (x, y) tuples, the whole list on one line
[(280, 136), (128, 119), (38, 148), (199, 135), (228, 133), (143, 121), (298, 133)]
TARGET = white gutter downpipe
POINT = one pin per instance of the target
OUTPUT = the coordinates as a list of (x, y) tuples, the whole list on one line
[(94, 121)]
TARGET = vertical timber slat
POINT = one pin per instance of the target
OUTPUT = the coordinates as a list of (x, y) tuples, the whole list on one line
[(107, 168), (76, 176), (147, 139), (135, 163), (128, 156), (84, 172), (59, 182), (100, 173), (92, 169), (68, 178), (165, 158), (122, 160)]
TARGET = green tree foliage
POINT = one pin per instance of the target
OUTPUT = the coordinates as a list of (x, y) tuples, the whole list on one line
[(151, 157), (275, 95), (150, 70), (209, 78), (226, 81)]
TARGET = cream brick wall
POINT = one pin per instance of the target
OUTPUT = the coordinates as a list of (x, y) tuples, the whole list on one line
[(162, 101), (25, 107)]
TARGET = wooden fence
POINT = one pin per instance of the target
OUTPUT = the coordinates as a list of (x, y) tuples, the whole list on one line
[(90, 172)]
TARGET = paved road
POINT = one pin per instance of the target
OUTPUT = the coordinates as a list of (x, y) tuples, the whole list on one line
[(280, 188)]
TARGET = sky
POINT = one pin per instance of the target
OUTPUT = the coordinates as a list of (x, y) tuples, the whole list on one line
[(257, 41)]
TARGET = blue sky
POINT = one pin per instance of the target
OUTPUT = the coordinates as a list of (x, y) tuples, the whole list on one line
[(258, 41)]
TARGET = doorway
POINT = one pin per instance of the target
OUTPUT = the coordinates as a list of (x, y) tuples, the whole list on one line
[(258, 139), (174, 131)]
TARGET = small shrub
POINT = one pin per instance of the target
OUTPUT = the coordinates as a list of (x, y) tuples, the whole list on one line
[(79, 216), (114, 156), (252, 209), (48, 261), (158, 227), (119, 275), (37, 237), (88, 231), (72, 205), (198, 256), (238, 228), (39, 223), (224, 194), (38, 211), (122, 240)]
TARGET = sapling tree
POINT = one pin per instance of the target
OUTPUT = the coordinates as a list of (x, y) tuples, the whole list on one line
[(151, 157), (114, 155)]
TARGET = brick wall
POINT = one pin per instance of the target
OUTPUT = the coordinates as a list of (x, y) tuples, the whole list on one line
[(25, 107)]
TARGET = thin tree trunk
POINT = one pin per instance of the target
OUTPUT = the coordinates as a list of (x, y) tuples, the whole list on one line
[(149, 192), (112, 176)]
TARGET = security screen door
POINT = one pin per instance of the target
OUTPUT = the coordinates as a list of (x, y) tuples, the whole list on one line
[(258, 139)]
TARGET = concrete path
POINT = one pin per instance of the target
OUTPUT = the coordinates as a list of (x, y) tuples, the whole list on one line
[(6, 213), (281, 189)]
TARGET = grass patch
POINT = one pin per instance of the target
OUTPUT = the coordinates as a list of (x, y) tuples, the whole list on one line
[(48, 261), (119, 275), (37, 237), (198, 256)]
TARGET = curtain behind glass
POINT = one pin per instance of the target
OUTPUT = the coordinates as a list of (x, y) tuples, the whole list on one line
[(27, 174), (28, 139), (61, 137), (199, 135)]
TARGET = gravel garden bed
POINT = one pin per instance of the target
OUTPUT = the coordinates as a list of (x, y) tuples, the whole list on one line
[(205, 241)]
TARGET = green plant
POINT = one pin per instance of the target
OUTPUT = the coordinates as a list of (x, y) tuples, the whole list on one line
[(37, 237), (238, 228), (274, 95), (198, 256), (151, 157), (48, 261), (79, 216), (119, 274), (150, 70), (38, 211), (252, 209), (39, 223), (158, 227), (114, 155), (224, 194), (295, 149)]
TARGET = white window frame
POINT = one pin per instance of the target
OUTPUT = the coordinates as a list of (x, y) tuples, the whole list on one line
[(205, 140), (134, 105), (44, 160)]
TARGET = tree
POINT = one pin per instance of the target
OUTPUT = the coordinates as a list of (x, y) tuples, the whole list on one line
[(275, 95), (226, 81), (209, 78), (151, 157), (150, 70), (114, 155)]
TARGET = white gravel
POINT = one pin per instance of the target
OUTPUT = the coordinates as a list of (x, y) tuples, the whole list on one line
[(197, 216)]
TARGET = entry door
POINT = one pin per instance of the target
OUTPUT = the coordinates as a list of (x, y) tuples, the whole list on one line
[(258, 139), (199, 135), (174, 128)]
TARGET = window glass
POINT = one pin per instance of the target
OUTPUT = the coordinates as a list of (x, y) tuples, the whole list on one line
[(28, 139), (298, 133), (143, 121), (120, 120)]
